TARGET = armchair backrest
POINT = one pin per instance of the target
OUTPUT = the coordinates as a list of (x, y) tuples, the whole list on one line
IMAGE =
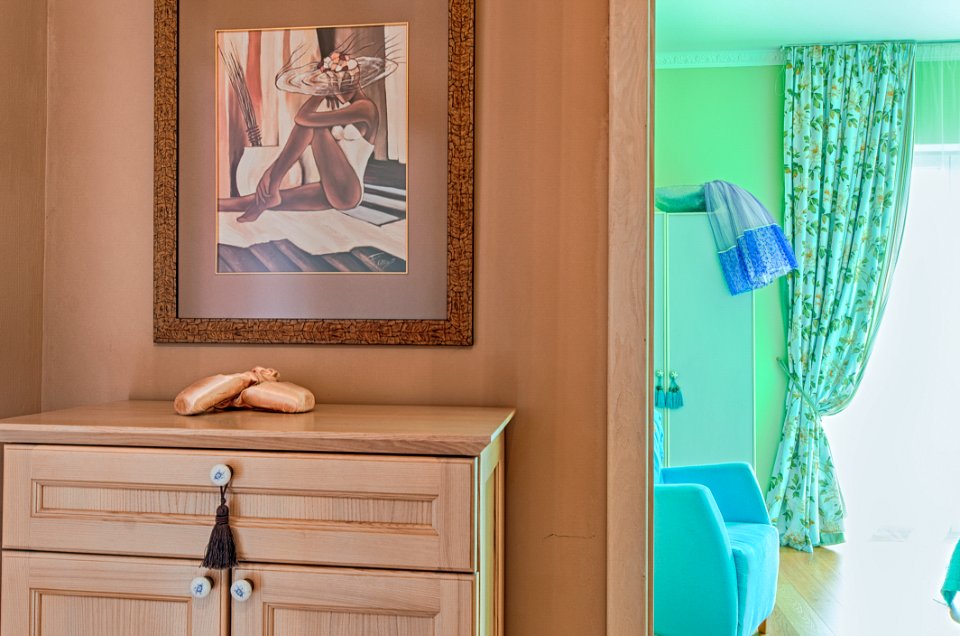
[(733, 485)]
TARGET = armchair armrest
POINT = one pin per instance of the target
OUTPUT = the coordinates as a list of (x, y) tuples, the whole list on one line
[(695, 582), (734, 488)]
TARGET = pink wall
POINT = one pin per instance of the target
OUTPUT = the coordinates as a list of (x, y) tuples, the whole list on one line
[(23, 41), (540, 274)]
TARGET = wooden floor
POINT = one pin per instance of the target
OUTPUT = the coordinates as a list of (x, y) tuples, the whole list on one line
[(869, 588)]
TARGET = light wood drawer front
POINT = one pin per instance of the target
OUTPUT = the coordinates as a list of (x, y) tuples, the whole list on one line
[(297, 601), (67, 594), (358, 510)]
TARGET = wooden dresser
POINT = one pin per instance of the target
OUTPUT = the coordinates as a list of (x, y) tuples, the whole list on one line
[(349, 521)]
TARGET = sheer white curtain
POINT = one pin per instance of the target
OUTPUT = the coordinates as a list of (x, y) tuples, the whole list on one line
[(897, 446)]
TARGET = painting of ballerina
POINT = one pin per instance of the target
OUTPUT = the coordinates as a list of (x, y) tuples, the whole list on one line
[(312, 150)]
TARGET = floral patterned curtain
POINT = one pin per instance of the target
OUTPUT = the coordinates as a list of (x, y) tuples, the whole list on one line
[(847, 148)]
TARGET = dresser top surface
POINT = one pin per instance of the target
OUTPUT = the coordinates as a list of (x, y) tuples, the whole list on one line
[(403, 430)]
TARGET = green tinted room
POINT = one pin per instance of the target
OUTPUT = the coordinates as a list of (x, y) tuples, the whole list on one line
[(720, 115)]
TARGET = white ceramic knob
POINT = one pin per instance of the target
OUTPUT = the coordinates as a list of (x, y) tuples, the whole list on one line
[(241, 590), (200, 587), (220, 475)]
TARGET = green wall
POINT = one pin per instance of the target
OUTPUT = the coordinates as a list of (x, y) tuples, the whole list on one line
[(727, 123)]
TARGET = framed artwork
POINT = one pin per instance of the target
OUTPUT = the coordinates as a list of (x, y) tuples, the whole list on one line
[(314, 172)]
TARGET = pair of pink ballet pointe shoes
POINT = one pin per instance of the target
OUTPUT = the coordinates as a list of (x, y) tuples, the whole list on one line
[(259, 388)]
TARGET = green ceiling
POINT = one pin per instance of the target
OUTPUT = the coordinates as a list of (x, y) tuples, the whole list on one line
[(737, 25)]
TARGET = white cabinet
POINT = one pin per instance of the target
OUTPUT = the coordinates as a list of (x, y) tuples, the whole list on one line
[(706, 336)]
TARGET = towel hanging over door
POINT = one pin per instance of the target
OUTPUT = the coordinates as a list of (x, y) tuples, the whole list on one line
[(752, 248)]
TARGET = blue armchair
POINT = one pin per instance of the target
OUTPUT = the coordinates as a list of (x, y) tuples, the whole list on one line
[(716, 554)]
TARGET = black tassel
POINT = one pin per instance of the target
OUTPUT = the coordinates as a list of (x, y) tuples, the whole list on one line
[(221, 550)]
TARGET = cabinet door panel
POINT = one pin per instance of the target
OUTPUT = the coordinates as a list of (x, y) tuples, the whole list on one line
[(65, 595), (710, 344), (297, 601)]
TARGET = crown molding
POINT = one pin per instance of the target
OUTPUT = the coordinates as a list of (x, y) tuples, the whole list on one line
[(717, 59), (926, 52)]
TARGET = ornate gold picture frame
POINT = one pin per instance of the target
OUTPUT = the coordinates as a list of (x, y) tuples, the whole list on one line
[(212, 289)]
